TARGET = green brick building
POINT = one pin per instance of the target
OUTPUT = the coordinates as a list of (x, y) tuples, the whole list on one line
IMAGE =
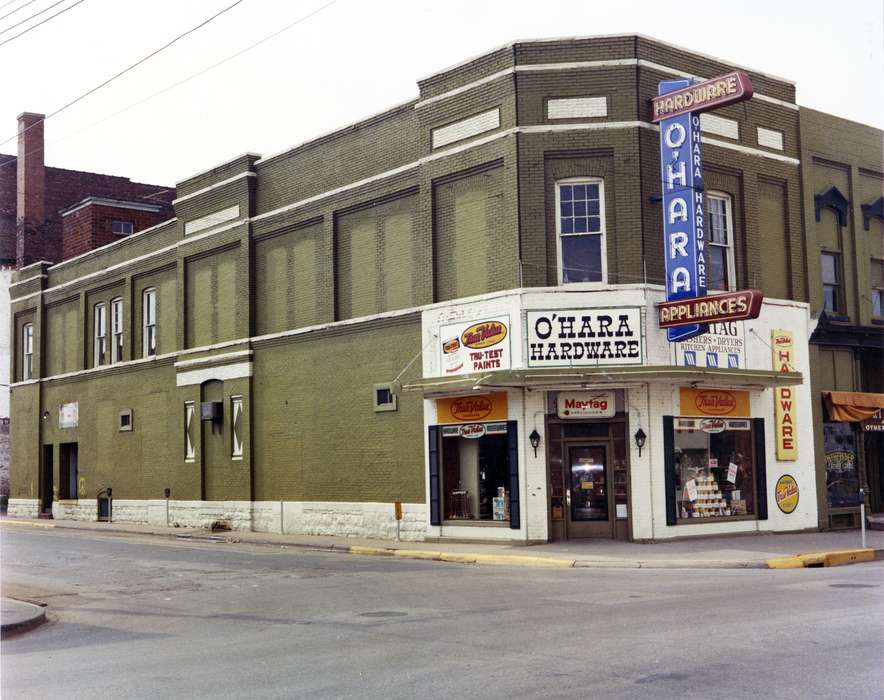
[(279, 356)]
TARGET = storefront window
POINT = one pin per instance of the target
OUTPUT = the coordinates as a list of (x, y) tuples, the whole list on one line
[(475, 472), (842, 480), (714, 468)]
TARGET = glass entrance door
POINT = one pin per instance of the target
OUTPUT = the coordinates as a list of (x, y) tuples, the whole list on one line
[(589, 494)]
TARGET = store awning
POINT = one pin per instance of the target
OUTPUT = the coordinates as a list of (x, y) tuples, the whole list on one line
[(595, 376), (852, 406)]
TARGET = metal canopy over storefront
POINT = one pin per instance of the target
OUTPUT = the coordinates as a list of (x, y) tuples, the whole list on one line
[(596, 376)]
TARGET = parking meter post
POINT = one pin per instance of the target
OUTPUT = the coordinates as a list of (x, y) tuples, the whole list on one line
[(862, 515)]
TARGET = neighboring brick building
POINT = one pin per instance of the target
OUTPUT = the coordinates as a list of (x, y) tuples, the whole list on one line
[(384, 314), (843, 174), (52, 214)]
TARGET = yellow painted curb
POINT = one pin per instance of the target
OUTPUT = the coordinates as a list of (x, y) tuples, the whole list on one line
[(458, 558), (516, 560), (785, 563), (417, 554), (372, 551), (849, 556), (22, 523), (813, 559)]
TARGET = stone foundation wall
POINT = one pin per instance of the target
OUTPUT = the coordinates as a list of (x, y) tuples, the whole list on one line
[(373, 520), (23, 508)]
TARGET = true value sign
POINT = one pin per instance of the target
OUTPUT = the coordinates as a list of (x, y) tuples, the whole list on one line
[(677, 108)]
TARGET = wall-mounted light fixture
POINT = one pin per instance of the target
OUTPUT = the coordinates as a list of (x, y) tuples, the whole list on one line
[(534, 437), (640, 439)]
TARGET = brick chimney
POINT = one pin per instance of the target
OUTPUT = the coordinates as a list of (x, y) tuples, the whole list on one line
[(30, 189)]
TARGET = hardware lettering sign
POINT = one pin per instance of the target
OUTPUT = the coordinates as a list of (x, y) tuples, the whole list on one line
[(683, 228), (584, 337), (783, 354), (700, 97), (677, 109)]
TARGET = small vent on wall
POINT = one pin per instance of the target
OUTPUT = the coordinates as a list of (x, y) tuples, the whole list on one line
[(720, 126), (465, 128), (577, 107), (770, 138)]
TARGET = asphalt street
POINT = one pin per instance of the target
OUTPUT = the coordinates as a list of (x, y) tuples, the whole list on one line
[(134, 616)]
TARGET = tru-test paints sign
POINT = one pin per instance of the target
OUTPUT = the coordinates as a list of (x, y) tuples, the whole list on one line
[(475, 346)]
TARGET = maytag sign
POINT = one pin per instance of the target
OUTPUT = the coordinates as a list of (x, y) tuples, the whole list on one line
[(677, 108)]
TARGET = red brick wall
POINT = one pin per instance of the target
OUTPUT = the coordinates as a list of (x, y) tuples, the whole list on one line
[(92, 226)]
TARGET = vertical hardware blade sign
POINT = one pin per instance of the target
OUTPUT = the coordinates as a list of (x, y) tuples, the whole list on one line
[(683, 209)]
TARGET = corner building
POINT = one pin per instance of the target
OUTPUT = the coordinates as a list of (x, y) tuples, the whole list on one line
[(450, 305)]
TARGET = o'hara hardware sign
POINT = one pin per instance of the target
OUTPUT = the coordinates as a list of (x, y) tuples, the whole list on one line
[(584, 337), (677, 108)]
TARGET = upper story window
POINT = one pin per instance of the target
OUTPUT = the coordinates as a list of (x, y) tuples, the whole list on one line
[(117, 330), (123, 228), (149, 322), (830, 265), (27, 351), (877, 288), (720, 248), (580, 226), (99, 347)]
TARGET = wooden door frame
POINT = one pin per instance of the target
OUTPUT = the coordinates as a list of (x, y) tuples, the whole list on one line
[(608, 444)]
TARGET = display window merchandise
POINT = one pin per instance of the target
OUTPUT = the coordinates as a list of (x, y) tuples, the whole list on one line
[(475, 472), (714, 468)]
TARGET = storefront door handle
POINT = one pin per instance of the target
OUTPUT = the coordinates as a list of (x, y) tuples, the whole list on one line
[(568, 497)]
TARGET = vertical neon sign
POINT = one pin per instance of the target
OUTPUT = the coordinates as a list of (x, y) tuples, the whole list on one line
[(683, 209)]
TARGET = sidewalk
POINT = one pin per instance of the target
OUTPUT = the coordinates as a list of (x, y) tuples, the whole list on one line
[(754, 551), (17, 616)]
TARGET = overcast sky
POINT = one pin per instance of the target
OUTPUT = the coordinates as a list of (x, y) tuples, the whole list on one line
[(355, 58)]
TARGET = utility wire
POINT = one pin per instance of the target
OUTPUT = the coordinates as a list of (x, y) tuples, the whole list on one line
[(125, 70), (273, 35), (28, 19), (12, 12), (34, 26)]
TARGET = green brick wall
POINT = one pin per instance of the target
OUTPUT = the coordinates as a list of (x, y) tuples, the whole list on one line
[(315, 434)]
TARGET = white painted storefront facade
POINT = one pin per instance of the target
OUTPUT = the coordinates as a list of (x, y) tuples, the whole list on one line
[(646, 400)]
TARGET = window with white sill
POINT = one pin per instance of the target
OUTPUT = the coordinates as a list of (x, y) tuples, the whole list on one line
[(720, 243), (580, 229)]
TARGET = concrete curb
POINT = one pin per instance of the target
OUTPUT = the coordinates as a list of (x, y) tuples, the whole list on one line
[(840, 557), (23, 617), (797, 561)]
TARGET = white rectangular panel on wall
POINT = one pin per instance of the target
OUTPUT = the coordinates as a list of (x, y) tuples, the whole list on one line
[(720, 126), (213, 219), (577, 107), (465, 128), (770, 138)]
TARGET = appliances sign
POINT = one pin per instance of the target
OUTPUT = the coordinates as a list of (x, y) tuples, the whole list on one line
[(475, 346), (584, 337)]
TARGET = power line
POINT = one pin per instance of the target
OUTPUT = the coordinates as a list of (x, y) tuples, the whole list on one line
[(34, 26), (125, 70), (12, 12), (273, 35), (28, 19)]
